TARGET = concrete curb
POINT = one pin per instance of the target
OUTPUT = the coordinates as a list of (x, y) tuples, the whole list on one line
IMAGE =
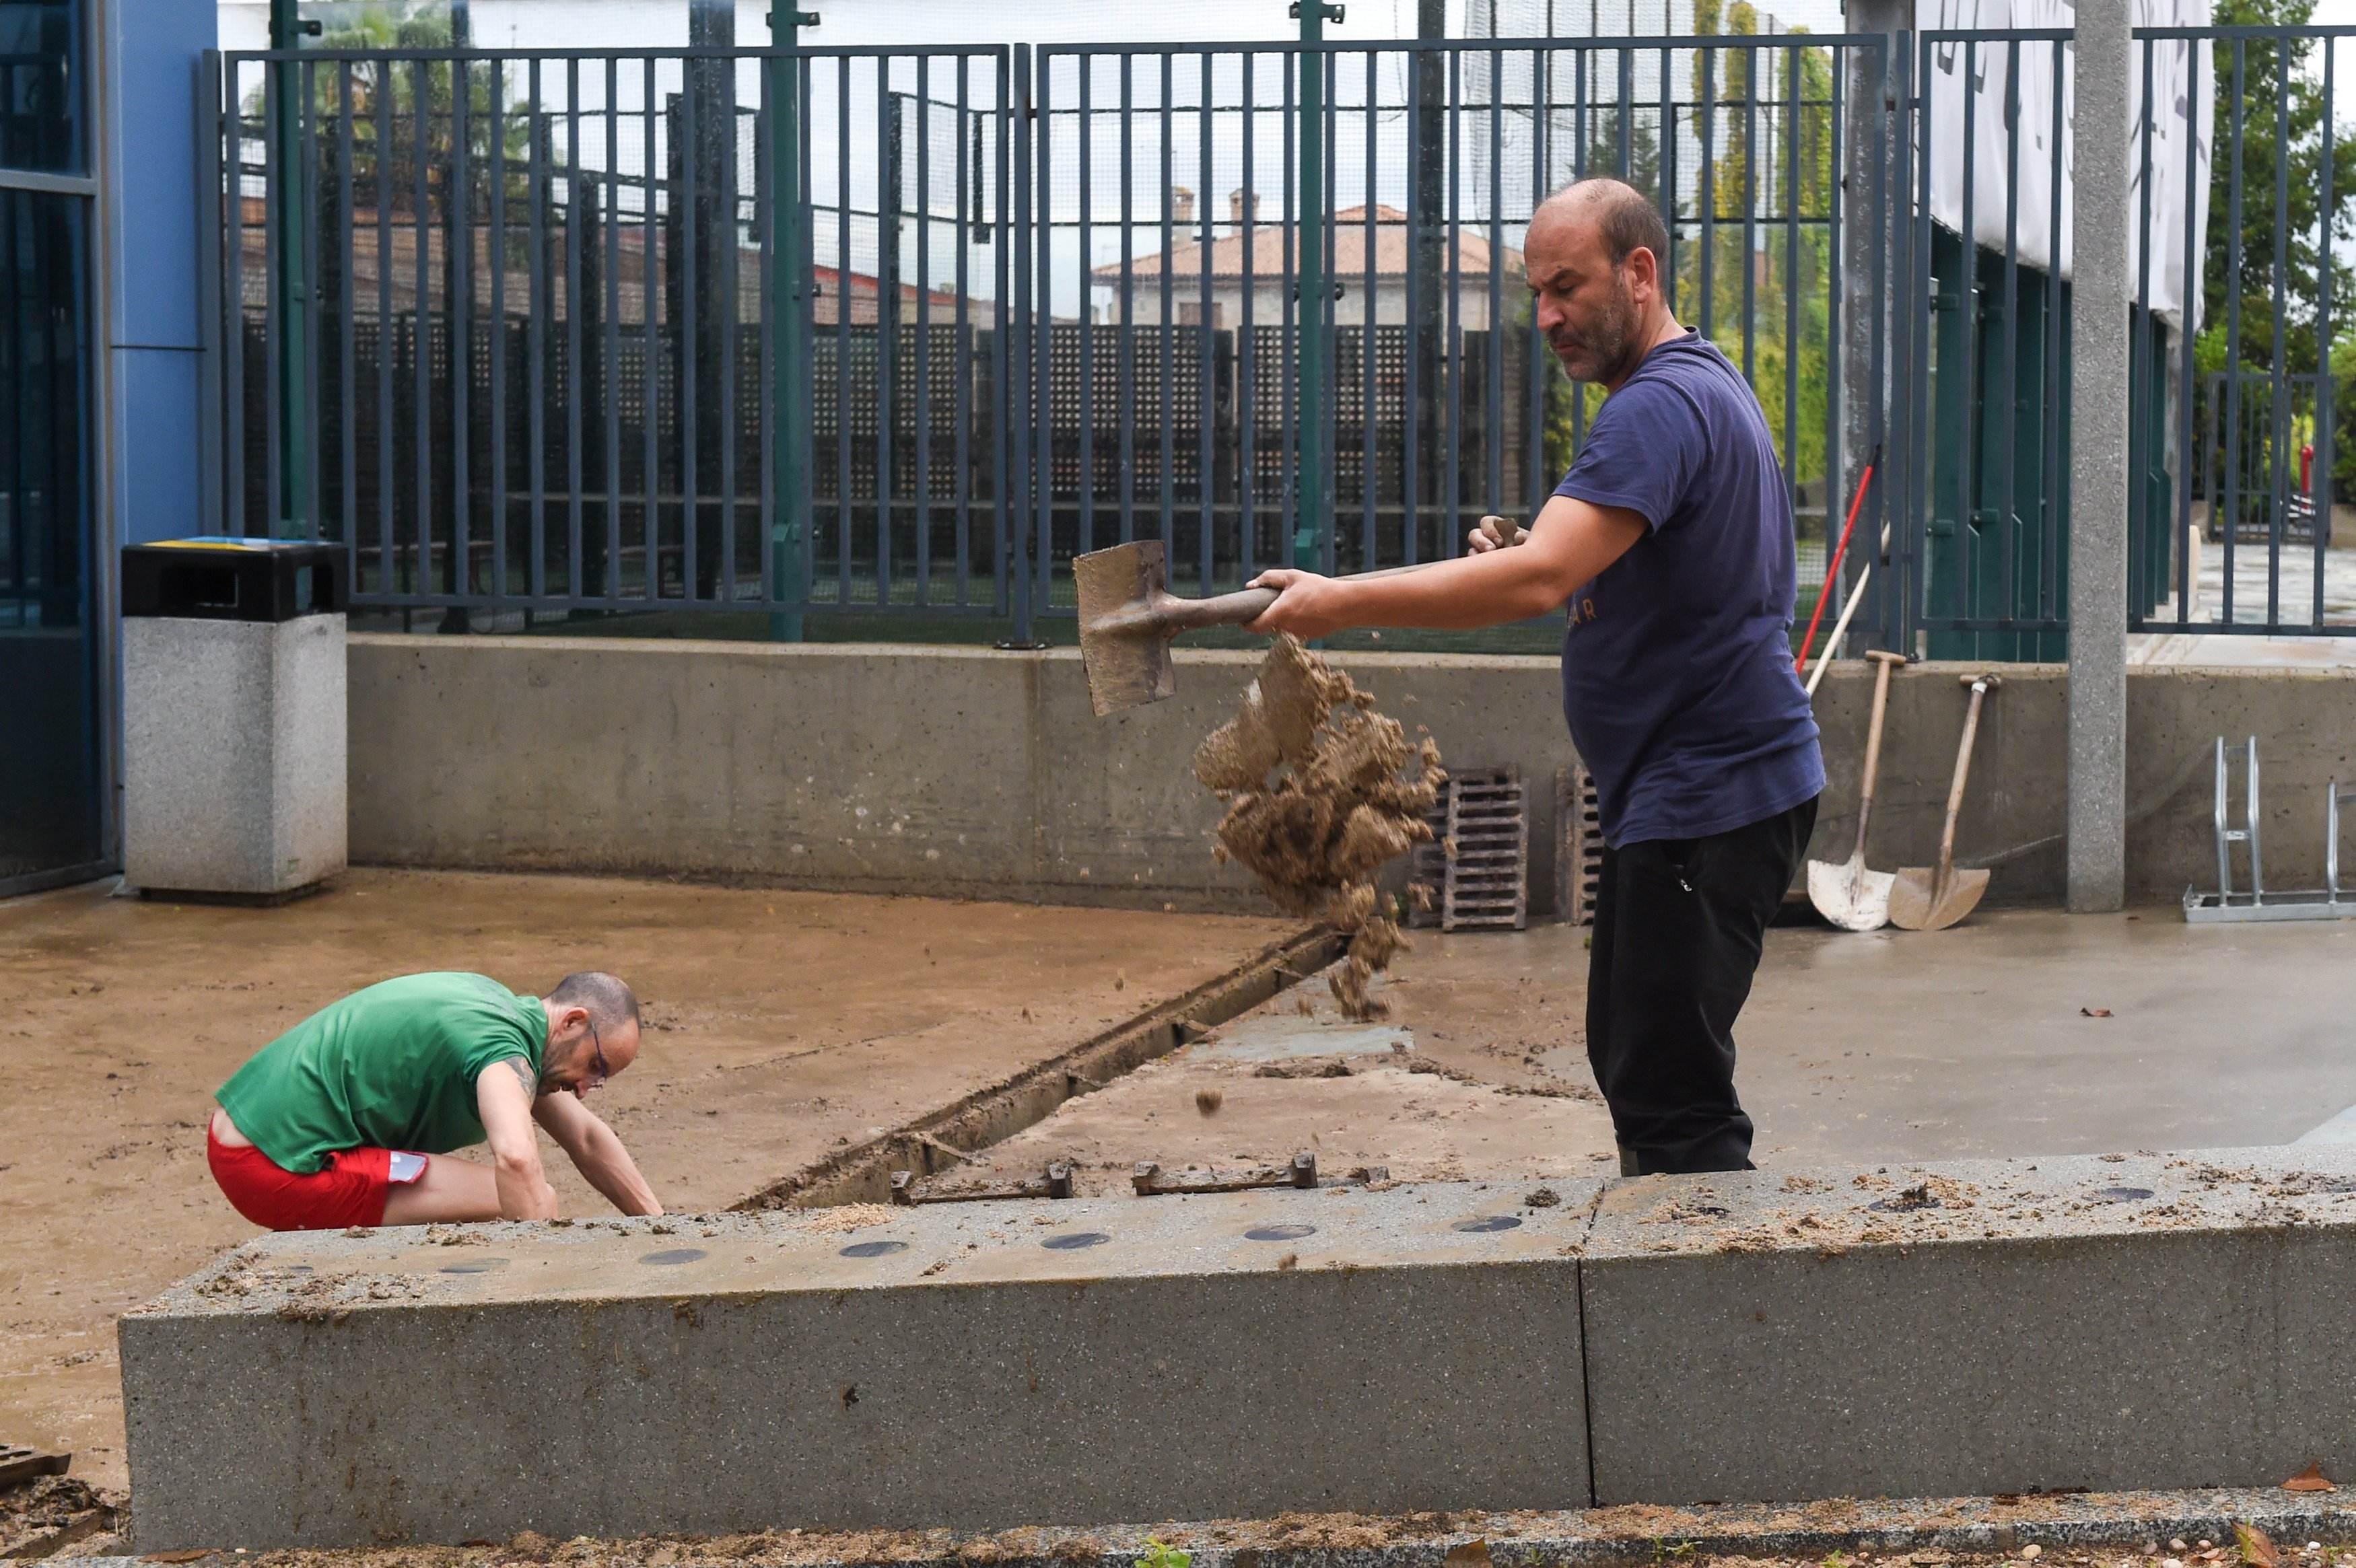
[(1992, 1326)]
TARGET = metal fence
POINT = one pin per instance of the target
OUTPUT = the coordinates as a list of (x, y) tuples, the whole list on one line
[(533, 333)]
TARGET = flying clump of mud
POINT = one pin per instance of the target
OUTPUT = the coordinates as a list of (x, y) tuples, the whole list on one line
[(1321, 791)]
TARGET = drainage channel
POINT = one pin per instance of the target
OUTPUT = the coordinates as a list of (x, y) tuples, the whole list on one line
[(937, 1140)]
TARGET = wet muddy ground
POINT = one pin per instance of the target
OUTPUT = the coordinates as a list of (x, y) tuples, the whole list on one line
[(780, 1025)]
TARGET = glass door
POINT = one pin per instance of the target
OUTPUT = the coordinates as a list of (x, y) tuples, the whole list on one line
[(53, 815)]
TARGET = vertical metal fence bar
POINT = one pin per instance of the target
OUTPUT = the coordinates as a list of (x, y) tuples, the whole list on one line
[(1411, 391), (458, 242), (1793, 323), (2187, 369), (1329, 525), (498, 261), (1204, 414), (1312, 540), (2278, 391), (1289, 464), (924, 453), (388, 519), (536, 330), (1492, 428), (1923, 498), (961, 337), (304, 433), (2229, 526), (1967, 305), (687, 205), (574, 380), (1450, 543), (235, 509), (1030, 357), (1583, 60), (2140, 368), (421, 358), (1128, 340), (650, 312), (887, 315), (842, 309), (610, 381), (277, 311), (1706, 111), (346, 375), (1749, 57), (1247, 329), (2050, 536), (2329, 132), (1838, 391), (1033, 209), (1086, 538), (213, 423), (1002, 391), (1534, 343), (1369, 472), (1668, 156), (2004, 524), (732, 311), (1165, 395)]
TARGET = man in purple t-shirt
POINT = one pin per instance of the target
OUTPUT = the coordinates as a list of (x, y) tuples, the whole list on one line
[(1670, 545)]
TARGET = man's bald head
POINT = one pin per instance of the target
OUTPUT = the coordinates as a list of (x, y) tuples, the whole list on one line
[(1625, 220), (1595, 257)]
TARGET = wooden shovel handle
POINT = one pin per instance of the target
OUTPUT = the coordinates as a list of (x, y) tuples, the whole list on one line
[(1981, 685), (1222, 609), (1886, 663)]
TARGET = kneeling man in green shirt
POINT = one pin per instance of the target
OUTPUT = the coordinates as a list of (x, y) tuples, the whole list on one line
[(348, 1118)]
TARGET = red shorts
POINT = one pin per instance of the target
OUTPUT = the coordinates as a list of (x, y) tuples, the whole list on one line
[(349, 1190)]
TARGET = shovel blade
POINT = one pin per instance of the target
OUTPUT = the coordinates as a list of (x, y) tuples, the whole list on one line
[(1919, 903), (1129, 668), (1849, 895)]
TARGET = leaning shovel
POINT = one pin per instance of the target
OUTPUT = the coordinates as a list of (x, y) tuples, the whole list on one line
[(1848, 894), (1934, 897)]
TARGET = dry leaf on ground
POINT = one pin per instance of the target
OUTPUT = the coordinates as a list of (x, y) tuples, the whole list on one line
[(2257, 1552), (2310, 1480)]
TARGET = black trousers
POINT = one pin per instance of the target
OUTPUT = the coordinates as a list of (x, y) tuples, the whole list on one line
[(1679, 927)]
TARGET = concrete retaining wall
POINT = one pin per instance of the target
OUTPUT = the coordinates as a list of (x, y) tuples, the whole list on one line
[(975, 772), (1975, 1328)]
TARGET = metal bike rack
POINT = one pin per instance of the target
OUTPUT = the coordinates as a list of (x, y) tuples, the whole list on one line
[(2328, 902)]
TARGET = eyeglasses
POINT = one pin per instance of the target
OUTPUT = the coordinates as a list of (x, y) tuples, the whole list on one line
[(597, 1051)]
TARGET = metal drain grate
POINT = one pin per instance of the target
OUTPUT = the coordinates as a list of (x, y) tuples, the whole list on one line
[(1475, 872), (1578, 847)]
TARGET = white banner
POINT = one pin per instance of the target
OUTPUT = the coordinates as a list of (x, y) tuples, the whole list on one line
[(2184, 118)]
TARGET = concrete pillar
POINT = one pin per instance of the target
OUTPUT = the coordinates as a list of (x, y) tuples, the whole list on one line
[(2098, 473), (1871, 145)]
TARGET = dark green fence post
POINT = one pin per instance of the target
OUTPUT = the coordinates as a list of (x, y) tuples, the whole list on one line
[(1314, 425), (789, 324), (291, 300)]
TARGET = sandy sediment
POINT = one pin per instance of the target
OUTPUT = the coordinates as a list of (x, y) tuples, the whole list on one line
[(1321, 791)]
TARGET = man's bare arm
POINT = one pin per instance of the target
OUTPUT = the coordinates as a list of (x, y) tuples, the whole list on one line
[(597, 1153), (503, 1094), (1570, 544)]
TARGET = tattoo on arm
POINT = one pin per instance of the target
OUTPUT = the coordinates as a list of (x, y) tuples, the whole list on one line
[(522, 1070)]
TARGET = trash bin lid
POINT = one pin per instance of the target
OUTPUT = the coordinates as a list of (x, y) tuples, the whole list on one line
[(226, 577)]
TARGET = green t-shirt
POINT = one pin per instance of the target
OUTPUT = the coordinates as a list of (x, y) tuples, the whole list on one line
[(390, 1067)]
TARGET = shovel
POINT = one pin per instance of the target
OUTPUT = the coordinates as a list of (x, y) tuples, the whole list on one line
[(1928, 899), (1848, 894), (1128, 616)]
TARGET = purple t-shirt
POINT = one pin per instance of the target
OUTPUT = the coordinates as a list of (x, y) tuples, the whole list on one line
[(1676, 662)]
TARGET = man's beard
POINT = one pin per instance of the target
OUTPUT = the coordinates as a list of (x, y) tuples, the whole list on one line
[(1597, 354)]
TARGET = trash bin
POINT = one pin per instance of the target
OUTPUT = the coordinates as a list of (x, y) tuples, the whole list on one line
[(233, 725)]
